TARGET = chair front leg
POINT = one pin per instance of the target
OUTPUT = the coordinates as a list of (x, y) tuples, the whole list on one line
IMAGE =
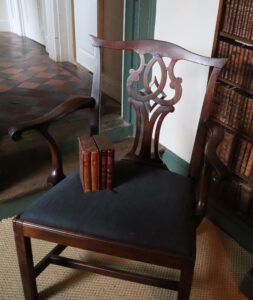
[(185, 284), (25, 259)]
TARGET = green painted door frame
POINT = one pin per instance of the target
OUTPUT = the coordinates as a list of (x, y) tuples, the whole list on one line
[(139, 24)]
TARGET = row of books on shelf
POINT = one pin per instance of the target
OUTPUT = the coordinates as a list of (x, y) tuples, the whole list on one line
[(243, 160), (234, 195), (239, 68), (96, 157), (238, 19), (233, 109), (239, 154), (225, 147)]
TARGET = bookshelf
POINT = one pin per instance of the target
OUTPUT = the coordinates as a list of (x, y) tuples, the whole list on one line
[(233, 107)]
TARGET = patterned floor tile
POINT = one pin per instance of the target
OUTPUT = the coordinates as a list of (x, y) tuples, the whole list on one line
[(29, 85), (4, 88), (11, 71), (32, 83), (45, 75)]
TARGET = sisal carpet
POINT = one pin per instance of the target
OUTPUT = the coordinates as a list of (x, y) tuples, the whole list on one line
[(220, 266)]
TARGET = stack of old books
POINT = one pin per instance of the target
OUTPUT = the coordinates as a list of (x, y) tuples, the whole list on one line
[(96, 155)]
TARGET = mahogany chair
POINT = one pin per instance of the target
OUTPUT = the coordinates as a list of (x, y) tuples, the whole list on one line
[(151, 215)]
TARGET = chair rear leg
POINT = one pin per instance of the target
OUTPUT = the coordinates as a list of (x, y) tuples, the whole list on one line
[(185, 282), (25, 259)]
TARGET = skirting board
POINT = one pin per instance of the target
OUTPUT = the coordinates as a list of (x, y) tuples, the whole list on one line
[(175, 163), (5, 26), (111, 87)]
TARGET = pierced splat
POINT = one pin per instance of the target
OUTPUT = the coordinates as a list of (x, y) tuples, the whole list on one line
[(151, 105)]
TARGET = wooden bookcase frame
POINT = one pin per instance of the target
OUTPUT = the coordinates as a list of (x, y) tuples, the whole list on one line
[(227, 215)]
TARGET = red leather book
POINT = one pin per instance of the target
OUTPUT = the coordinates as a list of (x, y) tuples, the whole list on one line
[(105, 146), (110, 165), (86, 147), (94, 170)]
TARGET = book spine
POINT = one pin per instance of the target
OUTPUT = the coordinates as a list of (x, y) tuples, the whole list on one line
[(247, 9), (86, 176), (248, 170), (246, 116), (110, 163), (225, 26), (238, 19), (234, 16), (229, 12), (244, 200), (94, 171), (242, 65), (245, 158), (250, 26), (103, 164), (240, 154)]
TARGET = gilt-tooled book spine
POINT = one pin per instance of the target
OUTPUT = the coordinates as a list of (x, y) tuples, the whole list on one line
[(86, 171), (95, 171), (103, 171), (110, 165), (86, 146), (106, 149)]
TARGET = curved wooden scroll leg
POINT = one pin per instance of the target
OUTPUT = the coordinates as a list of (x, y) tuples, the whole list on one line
[(41, 124), (57, 169)]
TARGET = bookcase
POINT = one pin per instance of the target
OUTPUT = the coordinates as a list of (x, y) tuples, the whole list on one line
[(233, 107)]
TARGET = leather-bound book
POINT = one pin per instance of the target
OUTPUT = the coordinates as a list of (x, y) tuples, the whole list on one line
[(105, 145), (86, 147), (103, 169), (94, 170), (110, 166)]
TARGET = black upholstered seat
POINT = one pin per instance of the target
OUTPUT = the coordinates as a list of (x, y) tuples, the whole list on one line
[(148, 206)]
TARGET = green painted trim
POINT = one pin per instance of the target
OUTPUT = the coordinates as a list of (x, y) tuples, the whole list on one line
[(136, 27), (14, 207), (231, 224), (175, 163), (120, 133)]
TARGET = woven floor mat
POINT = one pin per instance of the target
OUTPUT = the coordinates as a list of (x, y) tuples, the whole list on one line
[(220, 266)]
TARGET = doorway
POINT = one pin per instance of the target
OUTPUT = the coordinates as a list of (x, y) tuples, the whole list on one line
[(104, 19), (32, 19)]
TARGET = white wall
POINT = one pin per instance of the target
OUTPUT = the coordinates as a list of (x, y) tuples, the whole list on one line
[(4, 17), (190, 24), (85, 15)]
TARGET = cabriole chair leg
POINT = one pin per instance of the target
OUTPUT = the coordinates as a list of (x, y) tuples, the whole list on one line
[(25, 259)]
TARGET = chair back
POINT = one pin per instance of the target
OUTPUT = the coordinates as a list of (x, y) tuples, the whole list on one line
[(148, 97)]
